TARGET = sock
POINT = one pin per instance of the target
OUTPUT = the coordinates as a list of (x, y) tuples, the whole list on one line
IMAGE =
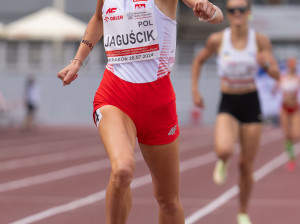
[(289, 149)]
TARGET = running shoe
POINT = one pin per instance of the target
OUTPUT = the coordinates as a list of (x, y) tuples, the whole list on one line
[(220, 172), (243, 218), (291, 165)]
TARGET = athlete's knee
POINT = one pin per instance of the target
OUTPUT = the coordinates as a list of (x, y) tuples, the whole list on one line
[(246, 166), (168, 205), (122, 174), (224, 152)]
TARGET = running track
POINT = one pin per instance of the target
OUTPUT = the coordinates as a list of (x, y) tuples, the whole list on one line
[(58, 176)]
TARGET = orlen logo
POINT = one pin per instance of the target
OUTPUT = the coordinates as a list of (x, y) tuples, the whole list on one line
[(106, 18), (111, 10)]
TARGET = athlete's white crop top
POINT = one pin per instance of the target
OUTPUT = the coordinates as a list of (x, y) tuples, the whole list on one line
[(237, 67), (289, 85), (140, 41)]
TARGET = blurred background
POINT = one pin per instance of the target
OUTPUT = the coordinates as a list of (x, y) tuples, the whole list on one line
[(38, 38)]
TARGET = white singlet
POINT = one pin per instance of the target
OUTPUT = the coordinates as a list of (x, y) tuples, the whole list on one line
[(236, 67), (289, 85), (140, 41)]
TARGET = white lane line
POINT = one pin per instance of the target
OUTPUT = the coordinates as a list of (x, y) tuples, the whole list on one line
[(232, 192), (73, 171), (184, 166), (50, 158), (74, 154), (55, 175), (37, 147), (90, 199)]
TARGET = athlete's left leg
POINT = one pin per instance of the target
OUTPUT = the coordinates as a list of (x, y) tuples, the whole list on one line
[(163, 162), (249, 139), (295, 136), (295, 126)]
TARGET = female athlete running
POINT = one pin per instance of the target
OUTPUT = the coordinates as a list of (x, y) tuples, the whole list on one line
[(240, 50), (289, 84), (136, 99)]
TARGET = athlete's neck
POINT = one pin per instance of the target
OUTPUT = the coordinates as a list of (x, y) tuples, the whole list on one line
[(239, 31)]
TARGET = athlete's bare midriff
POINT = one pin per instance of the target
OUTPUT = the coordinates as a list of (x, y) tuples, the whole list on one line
[(230, 90)]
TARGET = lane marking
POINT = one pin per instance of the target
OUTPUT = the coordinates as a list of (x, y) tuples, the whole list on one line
[(146, 179), (138, 182), (232, 192), (50, 158), (75, 171), (74, 154), (90, 199)]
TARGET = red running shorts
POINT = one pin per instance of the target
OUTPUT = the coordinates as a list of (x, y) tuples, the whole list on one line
[(151, 106)]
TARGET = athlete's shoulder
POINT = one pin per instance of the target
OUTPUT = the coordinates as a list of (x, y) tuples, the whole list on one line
[(216, 37), (262, 39), (167, 7), (214, 41)]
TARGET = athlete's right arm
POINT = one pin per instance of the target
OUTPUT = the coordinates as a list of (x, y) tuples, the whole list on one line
[(93, 34), (211, 47)]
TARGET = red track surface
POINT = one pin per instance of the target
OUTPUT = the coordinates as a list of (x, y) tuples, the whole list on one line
[(58, 176)]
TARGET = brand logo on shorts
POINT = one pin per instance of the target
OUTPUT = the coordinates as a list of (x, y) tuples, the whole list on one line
[(173, 130)]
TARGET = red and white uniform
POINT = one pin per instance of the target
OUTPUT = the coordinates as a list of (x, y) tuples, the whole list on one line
[(290, 89), (140, 43), (238, 67), (138, 26), (290, 86)]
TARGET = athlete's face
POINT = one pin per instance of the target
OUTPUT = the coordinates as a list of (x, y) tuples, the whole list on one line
[(292, 65), (238, 12)]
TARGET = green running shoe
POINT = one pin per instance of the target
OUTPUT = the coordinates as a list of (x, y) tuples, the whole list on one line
[(243, 218), (220, 172)]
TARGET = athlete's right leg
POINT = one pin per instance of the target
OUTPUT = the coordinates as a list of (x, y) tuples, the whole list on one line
[(118, 134), (287, 127), (294, 136), (226, 133), (295, 126), (285, 124)]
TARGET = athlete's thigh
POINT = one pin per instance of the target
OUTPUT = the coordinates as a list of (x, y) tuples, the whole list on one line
[(295, 124), (249, 140), (163, 162), (118, 134), (226, 132)]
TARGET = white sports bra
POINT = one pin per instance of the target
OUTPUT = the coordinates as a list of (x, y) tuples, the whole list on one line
[(237, 68), (289, 85), (140, 41)]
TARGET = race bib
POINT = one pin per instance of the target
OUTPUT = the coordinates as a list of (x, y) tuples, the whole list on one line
[(130, 36)]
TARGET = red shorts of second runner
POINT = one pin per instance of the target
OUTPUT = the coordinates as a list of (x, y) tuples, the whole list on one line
[(151, 106), (290, 109)]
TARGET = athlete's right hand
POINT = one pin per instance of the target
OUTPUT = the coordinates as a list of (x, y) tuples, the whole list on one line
[(69, 73), (198, 100)]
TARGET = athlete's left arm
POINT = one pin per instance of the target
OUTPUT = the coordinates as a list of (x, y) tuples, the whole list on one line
[(265, 56), (205, 11)]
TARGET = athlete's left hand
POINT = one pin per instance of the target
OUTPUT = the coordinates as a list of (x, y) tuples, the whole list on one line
[(263, 60), (204, 9)]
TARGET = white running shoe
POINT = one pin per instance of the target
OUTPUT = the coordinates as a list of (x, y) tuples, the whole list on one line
[(220, 172), (243, 218)]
